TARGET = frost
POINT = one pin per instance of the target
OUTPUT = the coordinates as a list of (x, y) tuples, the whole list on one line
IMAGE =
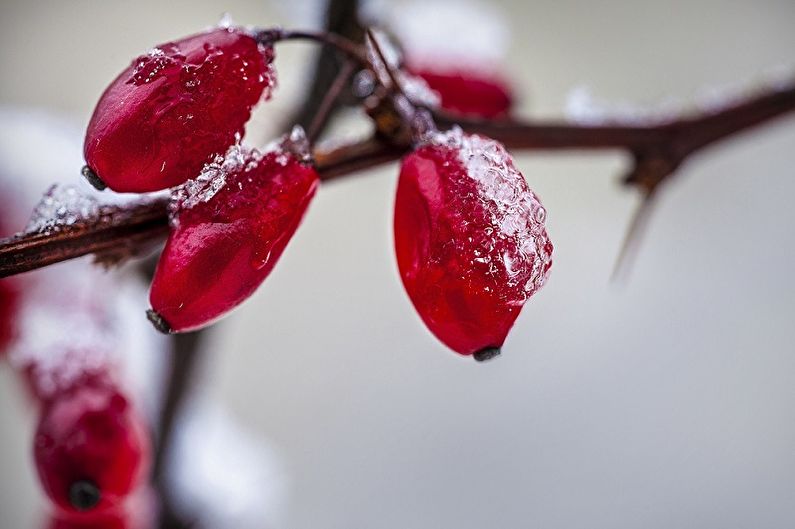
[(61, 206), (514, 239), (297, 143), (583, 108), (239, 158), (221, 475), (66, 327), (211, 179), (418, 91)]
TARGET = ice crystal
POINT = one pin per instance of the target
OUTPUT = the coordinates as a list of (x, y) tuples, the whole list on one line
[(61, 206), (513, 241), (212, 178)]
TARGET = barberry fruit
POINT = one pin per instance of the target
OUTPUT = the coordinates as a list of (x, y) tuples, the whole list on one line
[(468, 92), (229, 227), (470, 240), (175, 108), (90, 447)]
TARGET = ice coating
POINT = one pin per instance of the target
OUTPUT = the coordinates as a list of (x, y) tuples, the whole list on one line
[(418, 91), (239, 158), (211, 180), (514, 213), (62, 205), (470, 239), (231, 225), (177, 107), (584, 108)]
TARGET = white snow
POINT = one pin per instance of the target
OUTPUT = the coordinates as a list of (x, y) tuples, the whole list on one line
[(222, 475), (62, 206), (460, 33)]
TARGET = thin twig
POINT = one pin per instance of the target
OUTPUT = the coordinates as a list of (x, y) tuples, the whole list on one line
[(326, 106), (659, 150)]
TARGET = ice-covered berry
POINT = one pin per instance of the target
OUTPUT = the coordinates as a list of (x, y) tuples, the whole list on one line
[(470, 240), (229, 227), (91, 448), (175, 108)]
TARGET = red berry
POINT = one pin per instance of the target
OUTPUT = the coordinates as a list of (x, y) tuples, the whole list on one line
[(229, 228), (172, 110), (469, 92), (90, 447), (113, 520), (470, 240)]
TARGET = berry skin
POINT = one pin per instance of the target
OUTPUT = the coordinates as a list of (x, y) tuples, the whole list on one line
[(113, 520), (175, 108), (90, 447), (470, 240), (469, 92), (229, 228)]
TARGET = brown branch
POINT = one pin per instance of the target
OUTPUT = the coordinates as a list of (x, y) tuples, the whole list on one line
[(658, 150)]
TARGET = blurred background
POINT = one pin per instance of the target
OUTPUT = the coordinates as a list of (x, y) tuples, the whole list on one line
[(662, 401)]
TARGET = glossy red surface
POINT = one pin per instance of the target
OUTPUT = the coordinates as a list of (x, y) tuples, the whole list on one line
[(90, 432), (221, 249), (468, 92), (470, 240), (175, 108)]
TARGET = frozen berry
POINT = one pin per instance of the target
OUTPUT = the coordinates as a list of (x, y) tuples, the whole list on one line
[(90, 447), (175, 108), (469, 92), (470, 240), (229, 228)]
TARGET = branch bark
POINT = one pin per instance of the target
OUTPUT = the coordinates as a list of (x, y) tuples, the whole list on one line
[(658, 150)]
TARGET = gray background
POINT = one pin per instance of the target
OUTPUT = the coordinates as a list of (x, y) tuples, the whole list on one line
[(662, 402)]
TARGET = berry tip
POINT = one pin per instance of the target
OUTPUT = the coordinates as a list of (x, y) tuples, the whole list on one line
[(93, 178), (158, 322), (84, 495), (487, 353)]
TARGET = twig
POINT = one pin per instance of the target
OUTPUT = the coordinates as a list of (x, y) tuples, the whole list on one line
[(659, 151)]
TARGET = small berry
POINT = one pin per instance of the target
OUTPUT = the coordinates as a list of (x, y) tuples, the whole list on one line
[(470, 240), (229, 227), (90, 447), (175, 108), (102, 520), (469, 92)]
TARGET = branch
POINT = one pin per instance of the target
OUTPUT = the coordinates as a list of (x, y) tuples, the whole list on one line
[(658, 150)]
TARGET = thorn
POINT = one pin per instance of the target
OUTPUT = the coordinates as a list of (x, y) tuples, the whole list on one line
[(373, 41), (158, 322), (487, 353), (629, 246), (93, 178)]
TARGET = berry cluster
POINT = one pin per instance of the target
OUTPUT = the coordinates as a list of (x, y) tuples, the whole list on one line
[(469, 234), (91, 445)]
